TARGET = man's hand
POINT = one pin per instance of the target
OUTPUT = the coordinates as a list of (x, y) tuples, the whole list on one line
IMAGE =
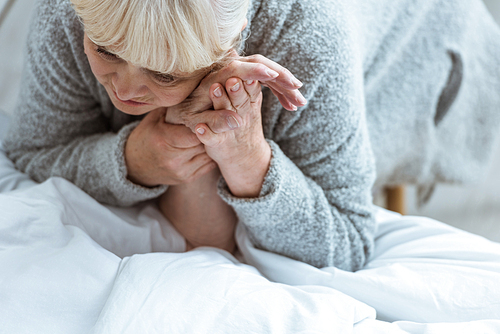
[(157, 153)]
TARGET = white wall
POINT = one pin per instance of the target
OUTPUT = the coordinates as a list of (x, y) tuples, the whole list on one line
[(12, 35)]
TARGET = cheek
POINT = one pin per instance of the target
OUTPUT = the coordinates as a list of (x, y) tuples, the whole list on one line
[(99, 68), (174, 96), (97, 65)]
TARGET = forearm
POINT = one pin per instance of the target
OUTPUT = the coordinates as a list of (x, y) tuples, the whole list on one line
[(199, 214), (296, 217), (94, 163), (245, 179)]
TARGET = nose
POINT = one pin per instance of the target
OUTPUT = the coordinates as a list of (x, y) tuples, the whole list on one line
[(129, 83)]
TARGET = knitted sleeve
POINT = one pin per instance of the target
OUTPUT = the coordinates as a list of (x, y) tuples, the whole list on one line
[(59, 128), (315, 204)]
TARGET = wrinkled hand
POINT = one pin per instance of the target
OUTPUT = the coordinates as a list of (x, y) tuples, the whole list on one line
[(258, 68), (243, 155), (157, 153)]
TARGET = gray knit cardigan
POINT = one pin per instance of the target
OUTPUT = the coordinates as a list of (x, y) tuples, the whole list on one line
[(357, 62)]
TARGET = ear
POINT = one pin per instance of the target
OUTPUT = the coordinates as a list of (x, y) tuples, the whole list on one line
[(244, 24)]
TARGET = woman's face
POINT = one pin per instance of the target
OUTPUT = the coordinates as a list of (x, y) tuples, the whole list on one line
[(135, 90)]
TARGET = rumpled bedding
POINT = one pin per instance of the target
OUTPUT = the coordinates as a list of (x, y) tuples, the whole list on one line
[(71, 265)]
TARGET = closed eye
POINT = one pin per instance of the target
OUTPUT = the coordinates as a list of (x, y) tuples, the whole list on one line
[(163, 78), (106, 54)]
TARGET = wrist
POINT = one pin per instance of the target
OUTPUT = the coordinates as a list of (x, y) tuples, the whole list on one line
[(245, 177)]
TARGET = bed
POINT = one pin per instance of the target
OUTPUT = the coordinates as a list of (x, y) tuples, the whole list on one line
[(71, 265)]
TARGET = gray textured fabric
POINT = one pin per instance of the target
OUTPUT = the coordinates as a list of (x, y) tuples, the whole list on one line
[(4, 123), (65, 124), (315, 204), (432, 82)]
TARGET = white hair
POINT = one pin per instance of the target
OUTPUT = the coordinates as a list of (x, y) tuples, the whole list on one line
[(165, 35)]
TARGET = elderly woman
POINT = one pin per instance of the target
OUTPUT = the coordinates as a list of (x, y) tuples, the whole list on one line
[(298, 180)]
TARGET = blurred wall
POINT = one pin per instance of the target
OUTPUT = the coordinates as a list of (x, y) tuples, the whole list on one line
[(12, 36), (475, 208), (494, 7)]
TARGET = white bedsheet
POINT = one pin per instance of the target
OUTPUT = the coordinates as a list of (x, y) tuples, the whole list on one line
[(71, 265)]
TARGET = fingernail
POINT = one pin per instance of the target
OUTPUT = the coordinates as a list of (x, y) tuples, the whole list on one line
[(297, 83), (200, 130), (232, 122), (249, 82), (271, 73), (217, 92), (301, 99), (235, 87)]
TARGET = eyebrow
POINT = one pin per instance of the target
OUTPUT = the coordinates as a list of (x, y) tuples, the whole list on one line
[(158, 73)]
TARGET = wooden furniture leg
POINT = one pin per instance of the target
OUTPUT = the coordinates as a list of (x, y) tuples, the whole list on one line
[(395, 199)]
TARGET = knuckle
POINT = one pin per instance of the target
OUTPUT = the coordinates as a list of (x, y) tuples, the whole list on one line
[(261, 67), (218, 140), (256, 57), (233, 66), (242, 105), (212, 141)]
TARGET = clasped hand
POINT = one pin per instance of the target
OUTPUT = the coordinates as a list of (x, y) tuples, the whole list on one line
[(219, 124)]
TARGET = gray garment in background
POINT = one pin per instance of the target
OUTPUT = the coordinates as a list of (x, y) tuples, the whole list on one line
[(432, 88), (4, 124)]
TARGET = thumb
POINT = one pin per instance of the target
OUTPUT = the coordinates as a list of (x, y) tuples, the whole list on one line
[(179, 136), (207, 136)]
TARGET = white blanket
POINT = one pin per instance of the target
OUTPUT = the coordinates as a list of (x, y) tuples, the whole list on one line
[(71, 265)]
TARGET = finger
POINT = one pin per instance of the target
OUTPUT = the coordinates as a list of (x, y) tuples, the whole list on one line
[(219, 97), (237, 94), (198, 101), (202, 170), (283, 100), (187, 154), (280, 81), (294, 96), (191, 168), (246, 71), (179, 136), (222, 119), (218, 121), (207, 136), (264, 70), (285, 78), (253, 90)]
